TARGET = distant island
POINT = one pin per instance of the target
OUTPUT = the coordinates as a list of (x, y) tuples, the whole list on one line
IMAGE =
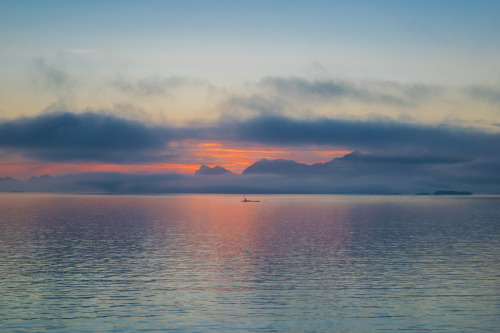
[(452, 193)]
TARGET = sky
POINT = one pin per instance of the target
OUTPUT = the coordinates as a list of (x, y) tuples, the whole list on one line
[(134, 96)]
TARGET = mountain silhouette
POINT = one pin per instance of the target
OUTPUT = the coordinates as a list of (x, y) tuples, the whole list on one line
[(365, 163), (215, 171), (279, 166), (291, 167)]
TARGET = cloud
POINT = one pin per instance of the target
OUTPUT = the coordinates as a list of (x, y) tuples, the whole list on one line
[(298, 96), (65, 136), (368, 135), (400, 157), (486, 93), (371, 163), (252, 106), (360, 179), (155, 85), (482, 174), (102, 182), (366, 173), (54, 78), (426, 158), (92, 136), (369, 92)]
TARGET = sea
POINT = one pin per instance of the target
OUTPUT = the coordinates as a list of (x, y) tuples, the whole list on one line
[(211, 263)]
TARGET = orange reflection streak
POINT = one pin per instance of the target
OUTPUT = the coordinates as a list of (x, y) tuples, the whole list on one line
[(236, 240), (225, 236)]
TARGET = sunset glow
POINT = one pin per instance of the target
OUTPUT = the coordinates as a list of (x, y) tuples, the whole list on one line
[(356, 97), (236, 157), (228, 155), (249, 166)]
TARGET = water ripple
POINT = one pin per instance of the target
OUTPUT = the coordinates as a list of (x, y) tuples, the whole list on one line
[(195, 263)]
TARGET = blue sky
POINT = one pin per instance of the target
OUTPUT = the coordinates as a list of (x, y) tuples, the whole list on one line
[(230, 44), (200, 65), (444, 41)]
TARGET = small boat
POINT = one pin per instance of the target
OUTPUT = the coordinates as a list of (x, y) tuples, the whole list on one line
[(248, 200)]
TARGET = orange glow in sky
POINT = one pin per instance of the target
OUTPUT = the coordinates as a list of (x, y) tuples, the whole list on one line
[(192, 154), (236, 158), (24, 170)]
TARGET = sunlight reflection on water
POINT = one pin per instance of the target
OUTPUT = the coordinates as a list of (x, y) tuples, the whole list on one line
[(200, 263)]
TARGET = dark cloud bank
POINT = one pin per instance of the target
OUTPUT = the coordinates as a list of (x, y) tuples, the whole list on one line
[(69, 137), (399, 157)]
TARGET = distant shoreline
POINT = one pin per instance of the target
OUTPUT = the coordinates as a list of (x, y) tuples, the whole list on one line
[(425, 194)]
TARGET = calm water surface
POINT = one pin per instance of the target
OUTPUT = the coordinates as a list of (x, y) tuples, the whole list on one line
[(210, 263)]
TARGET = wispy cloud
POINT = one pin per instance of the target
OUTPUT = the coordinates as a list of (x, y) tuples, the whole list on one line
[(485, 93), (363, 91), (52, 76), (302, 97), (155, 85)]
